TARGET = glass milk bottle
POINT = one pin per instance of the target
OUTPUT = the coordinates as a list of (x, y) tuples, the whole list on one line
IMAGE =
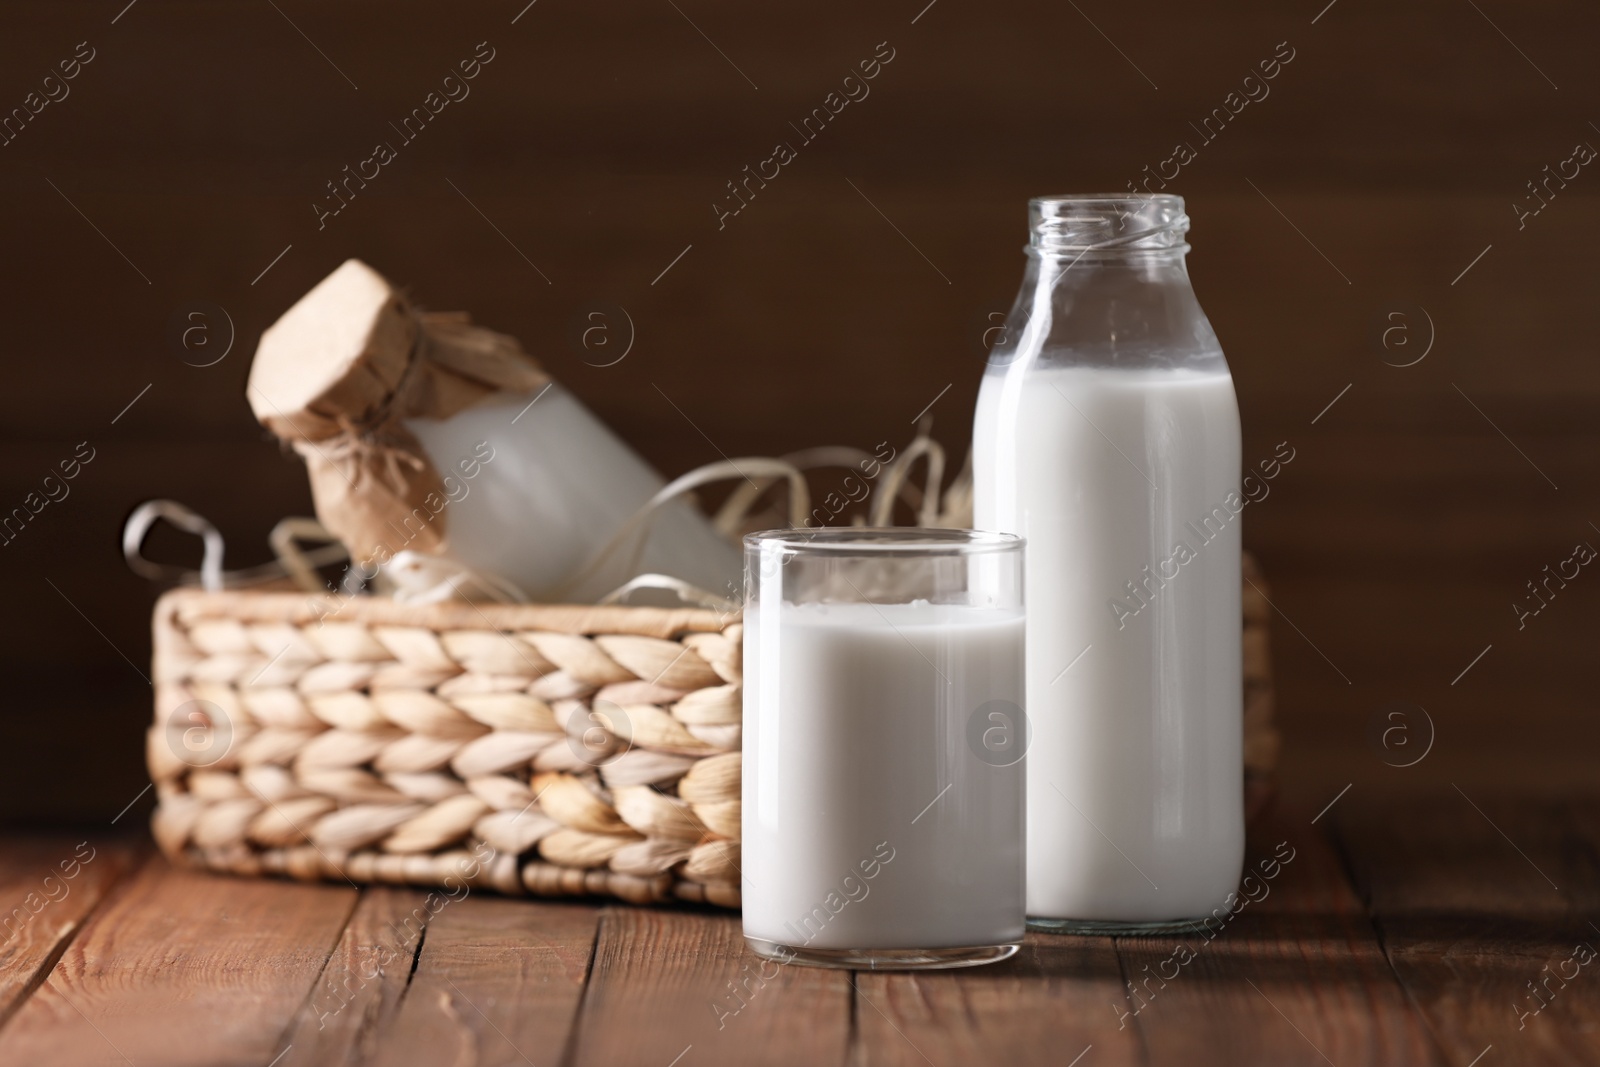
[(1107, 435)]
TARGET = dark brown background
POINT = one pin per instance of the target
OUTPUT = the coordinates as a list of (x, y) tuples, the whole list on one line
[(1397, 141)]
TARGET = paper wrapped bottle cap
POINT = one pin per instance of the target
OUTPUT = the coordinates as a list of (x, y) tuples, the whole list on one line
[(339, 373)]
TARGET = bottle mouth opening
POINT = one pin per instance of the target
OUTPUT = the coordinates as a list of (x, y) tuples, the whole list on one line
[(1107, 222)]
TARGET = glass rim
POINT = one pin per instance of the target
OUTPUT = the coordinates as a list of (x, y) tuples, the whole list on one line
[(885, 541)]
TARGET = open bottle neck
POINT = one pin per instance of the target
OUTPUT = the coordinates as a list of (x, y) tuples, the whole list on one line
[(1103, 229), (1107, 285)]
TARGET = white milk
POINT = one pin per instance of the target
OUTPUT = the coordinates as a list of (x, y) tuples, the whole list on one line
[(1135, 792), (868, 820), (559, 487)]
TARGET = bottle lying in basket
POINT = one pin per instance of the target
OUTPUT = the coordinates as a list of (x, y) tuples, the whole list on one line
[(425, 434)]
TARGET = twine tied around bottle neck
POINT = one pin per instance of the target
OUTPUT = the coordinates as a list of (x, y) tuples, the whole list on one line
[(371, 446)]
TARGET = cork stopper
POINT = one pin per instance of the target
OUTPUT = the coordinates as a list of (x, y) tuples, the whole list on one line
[(340, 351)]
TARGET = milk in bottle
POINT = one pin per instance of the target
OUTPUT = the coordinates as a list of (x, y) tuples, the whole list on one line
[(1107, 435)]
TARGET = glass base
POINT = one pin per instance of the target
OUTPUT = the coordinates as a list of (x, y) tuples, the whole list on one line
[(883, 959), (1112, 928)]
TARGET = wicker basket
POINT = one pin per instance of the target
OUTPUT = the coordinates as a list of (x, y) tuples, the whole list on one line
[(546, 749), (551, 750)]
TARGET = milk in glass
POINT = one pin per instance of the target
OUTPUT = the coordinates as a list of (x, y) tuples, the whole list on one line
[(883, 747)]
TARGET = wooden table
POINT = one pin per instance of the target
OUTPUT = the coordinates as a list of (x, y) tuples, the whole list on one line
[(1403, 932)]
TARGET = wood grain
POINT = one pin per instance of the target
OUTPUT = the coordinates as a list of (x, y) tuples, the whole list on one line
[(174, 967), (1295, 977), (1482, 910), (1401, 482), (49, 885), (1056, 1000), (182, 968), (1464, 853), (681, 983), (363, 981), (497, 981), (594, 144)]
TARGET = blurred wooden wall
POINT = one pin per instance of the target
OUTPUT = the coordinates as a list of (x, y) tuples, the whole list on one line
[(188, 153)]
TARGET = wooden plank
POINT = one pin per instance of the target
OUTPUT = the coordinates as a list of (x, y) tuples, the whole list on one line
[(1344, 506), (669, 984), (1297, 976), (1459, 852), (497, 981), (1054, 1001), (49, 884), (182, 968), (1408, 200), (1470, 976), (1486, 911), (363, 981)]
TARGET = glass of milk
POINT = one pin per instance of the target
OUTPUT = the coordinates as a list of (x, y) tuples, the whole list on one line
[(883, 747), (1107, 434)]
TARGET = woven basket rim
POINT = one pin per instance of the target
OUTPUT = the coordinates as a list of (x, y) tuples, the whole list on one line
[(249, 605)]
